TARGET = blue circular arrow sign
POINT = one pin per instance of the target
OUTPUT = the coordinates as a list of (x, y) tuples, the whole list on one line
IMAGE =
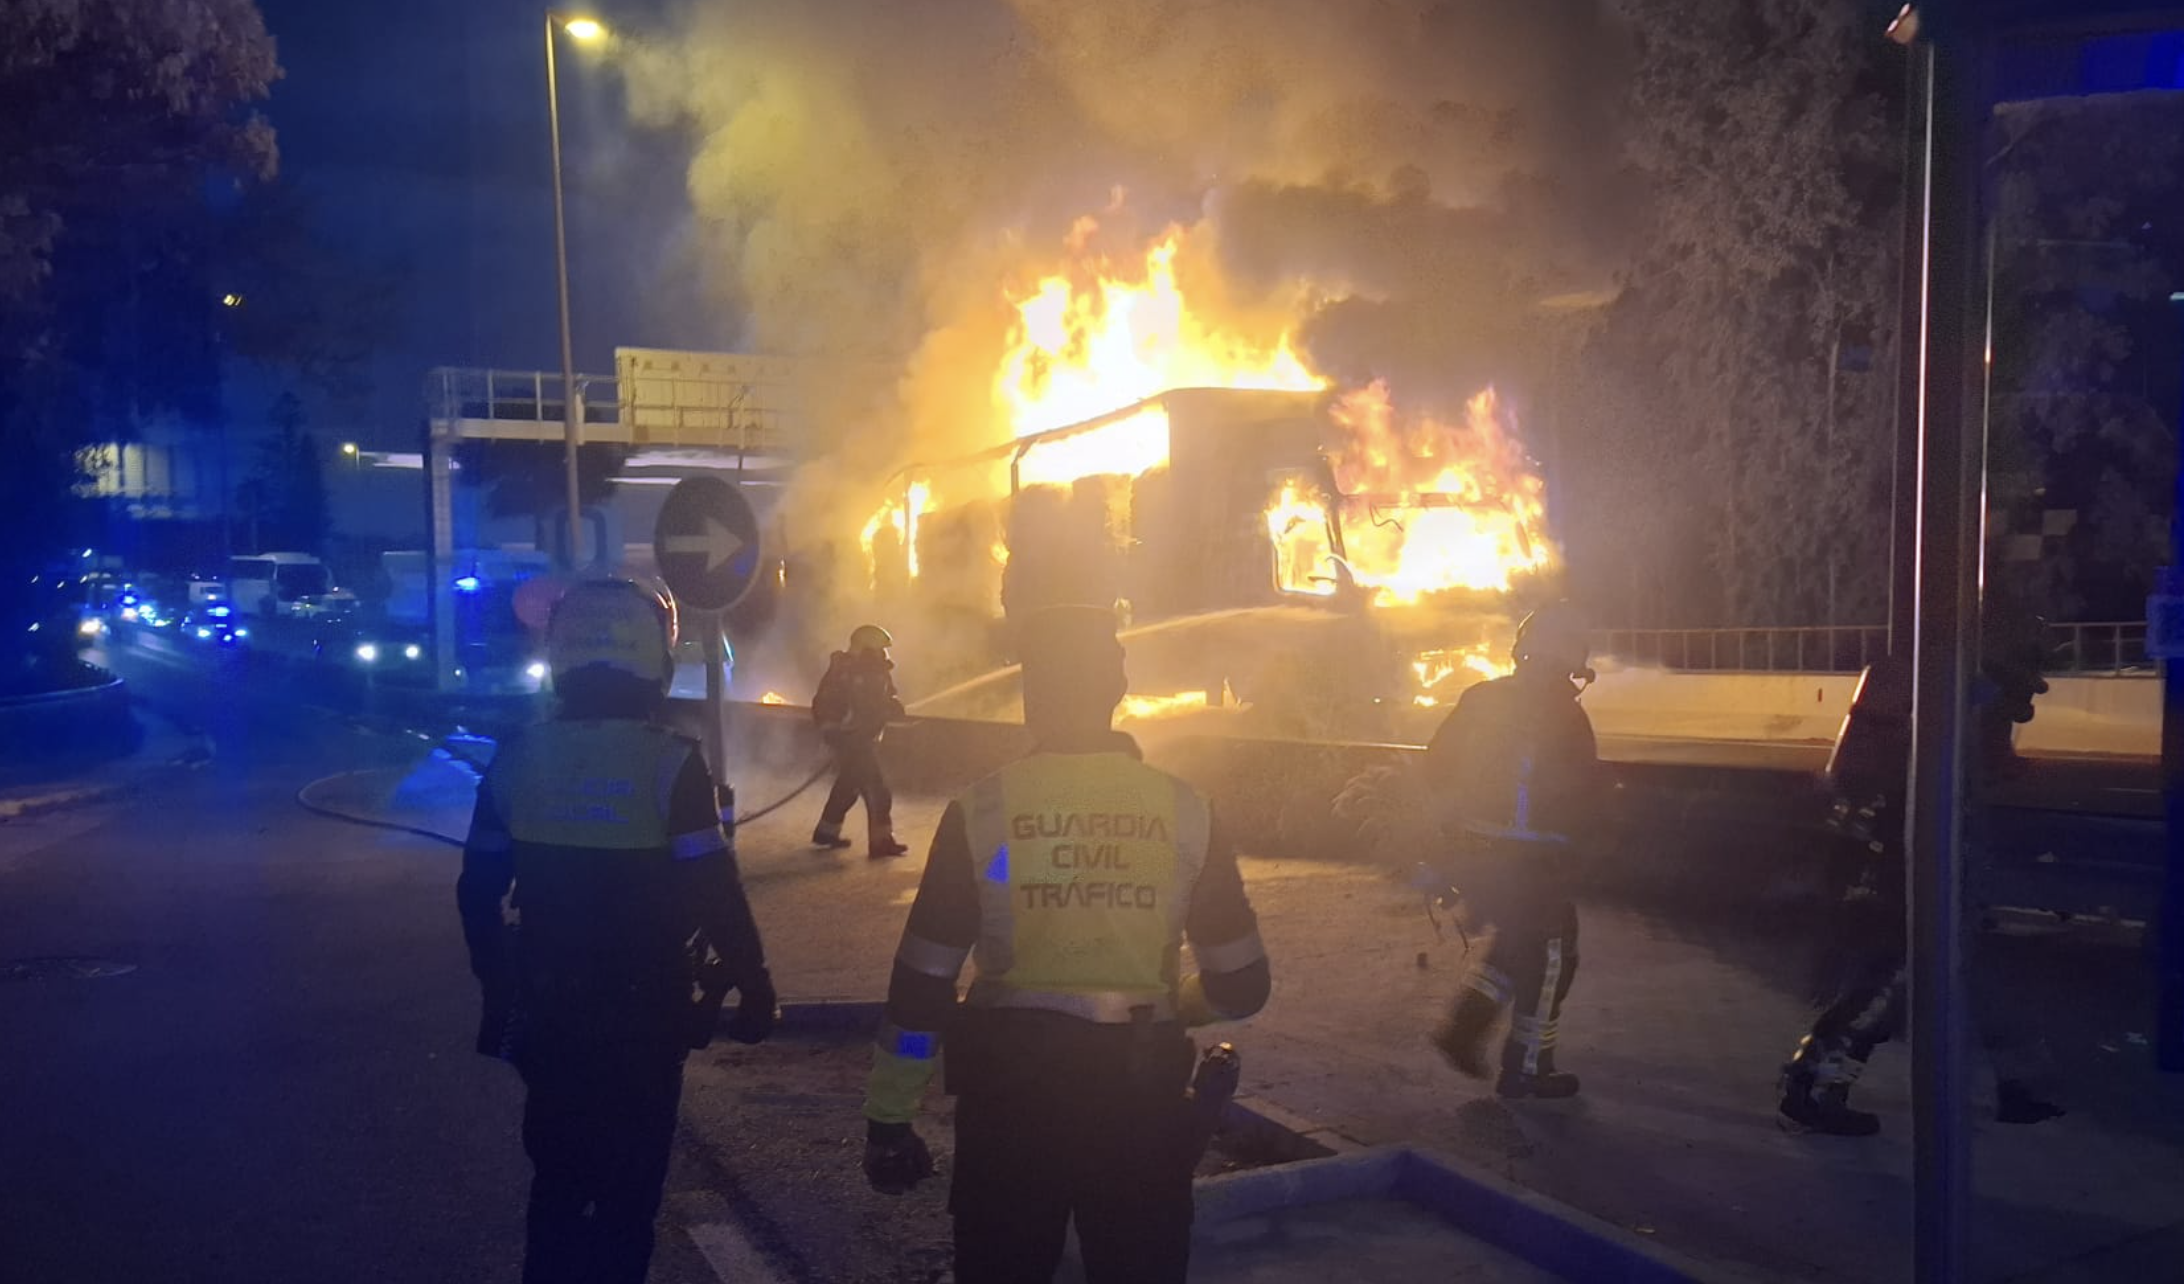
[(706, 543)]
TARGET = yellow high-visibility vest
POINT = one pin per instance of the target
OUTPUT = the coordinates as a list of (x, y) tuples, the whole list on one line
[(1085, 865), (602, 785)]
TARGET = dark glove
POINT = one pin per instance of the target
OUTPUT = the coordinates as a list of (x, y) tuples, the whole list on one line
[(501, 1024), (895, 1157), (755, 1014)]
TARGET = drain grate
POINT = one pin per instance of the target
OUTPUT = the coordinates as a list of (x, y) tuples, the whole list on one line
[(63, 968)]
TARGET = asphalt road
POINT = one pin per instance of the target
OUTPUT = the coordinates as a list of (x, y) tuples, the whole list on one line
[(282, 1089)]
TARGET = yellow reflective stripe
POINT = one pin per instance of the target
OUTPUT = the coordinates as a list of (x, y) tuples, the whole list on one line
[(896, 1085), (1193, 835), (1533, 1027), (985, 825), (1230, 956), (931, 957), (697, 843)]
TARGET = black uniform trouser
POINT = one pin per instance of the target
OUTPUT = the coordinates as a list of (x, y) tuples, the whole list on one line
[(1532, 962), (1054, 1123), (858, 775), (598, 1124), (1864, 1008)]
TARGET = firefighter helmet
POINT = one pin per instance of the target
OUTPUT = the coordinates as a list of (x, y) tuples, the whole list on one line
[(1554, 636), (617, 625), (869, 637)]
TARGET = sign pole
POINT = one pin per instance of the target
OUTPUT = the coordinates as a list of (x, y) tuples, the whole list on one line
[(716, 701), (706, 544), (2165, 641)]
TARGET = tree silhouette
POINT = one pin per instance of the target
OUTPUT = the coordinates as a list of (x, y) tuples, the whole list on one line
[(283, 501)]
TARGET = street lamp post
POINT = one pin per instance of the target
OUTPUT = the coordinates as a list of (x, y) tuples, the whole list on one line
[(571, 410)]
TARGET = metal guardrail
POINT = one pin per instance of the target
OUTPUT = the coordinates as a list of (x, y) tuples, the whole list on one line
[(696, 408), (518, 396), (2095, 649), (2112, 649), (1822, 649)]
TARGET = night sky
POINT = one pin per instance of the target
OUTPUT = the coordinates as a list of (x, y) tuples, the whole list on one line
[(418, 129)]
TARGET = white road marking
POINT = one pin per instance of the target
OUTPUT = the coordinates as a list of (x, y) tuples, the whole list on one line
[(731, 1256)]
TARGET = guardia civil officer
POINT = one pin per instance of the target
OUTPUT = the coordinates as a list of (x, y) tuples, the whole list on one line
[(631, 926), (1516, 776), (1072, 878)]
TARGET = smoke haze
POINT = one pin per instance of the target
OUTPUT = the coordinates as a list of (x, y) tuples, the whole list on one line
[(1392, 178)]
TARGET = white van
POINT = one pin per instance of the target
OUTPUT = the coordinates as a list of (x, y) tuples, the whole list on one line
[(283, 584)]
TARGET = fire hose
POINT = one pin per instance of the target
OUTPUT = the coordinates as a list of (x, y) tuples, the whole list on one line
[(331, 812), (304, 799)]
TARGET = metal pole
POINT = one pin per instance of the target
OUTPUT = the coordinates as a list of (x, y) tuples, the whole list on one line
[(441, 437), (1903, 507), (570, 429), (716, 696), (1945, 625), (2169, 923)]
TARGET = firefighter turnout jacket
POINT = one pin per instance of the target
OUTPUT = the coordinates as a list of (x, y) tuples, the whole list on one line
[(856, 698), (609, 834), (1515, 762), (1072, 877)]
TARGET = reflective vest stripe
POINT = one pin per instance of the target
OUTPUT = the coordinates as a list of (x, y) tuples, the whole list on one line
[(1193, 835), (987, 829), (1230, 956), (931, 957)]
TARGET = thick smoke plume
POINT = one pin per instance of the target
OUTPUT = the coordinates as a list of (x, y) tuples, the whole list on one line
[(1403, 183), (874, 173)]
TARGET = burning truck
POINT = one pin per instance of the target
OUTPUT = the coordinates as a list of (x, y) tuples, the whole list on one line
[(1288, 563), (1294, 558)]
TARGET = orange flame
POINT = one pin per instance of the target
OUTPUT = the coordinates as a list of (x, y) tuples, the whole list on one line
[(773, 697), (900, 514), (1426, 506), (1096, 337), (1421, 506), (1442, 675), (1142, 708)]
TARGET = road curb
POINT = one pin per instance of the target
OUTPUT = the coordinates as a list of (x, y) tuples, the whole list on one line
[(1554, 1237), (196, 750), (1255, 1125)]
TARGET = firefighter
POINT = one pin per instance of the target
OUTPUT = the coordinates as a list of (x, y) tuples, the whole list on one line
[(855, 702), (1863, 983), (1073, 876), (631, 925), (1517, 778)]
